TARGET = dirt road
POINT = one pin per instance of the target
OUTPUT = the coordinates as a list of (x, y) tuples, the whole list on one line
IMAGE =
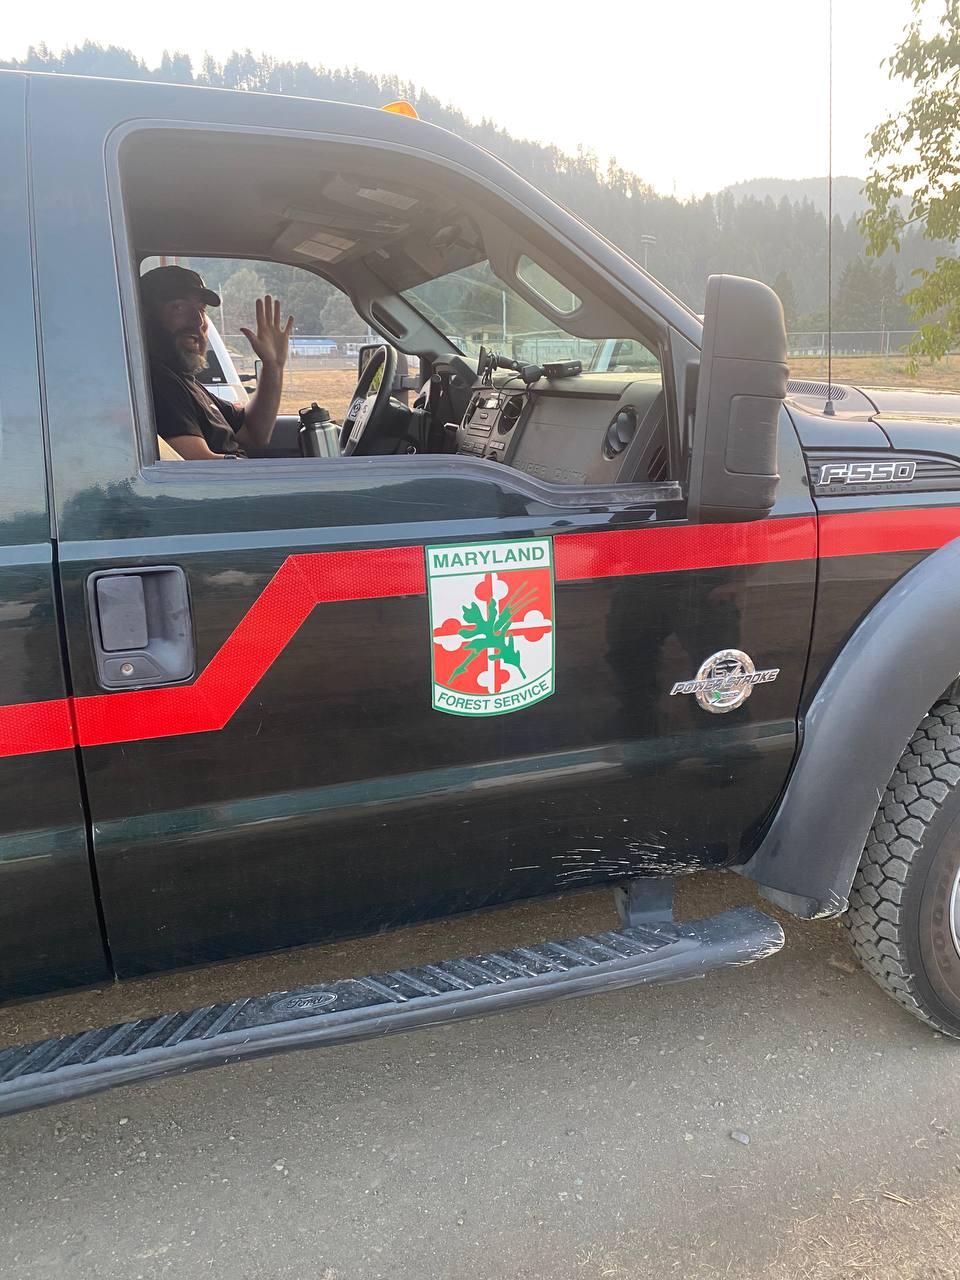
[(583, 1140)]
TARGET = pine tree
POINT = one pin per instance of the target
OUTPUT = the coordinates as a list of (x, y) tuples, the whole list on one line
[(175, 68), (783, 288)]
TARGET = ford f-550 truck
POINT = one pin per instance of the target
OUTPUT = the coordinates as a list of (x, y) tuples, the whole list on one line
[(551, 625)]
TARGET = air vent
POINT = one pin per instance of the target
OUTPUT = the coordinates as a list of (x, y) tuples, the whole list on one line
[(620, 432), (509, 414), (658, 465), (816, 389)]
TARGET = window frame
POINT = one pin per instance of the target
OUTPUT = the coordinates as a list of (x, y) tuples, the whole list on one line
[(152, 469)]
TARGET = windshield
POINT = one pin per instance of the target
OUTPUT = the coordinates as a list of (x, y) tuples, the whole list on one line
[(474, 308)]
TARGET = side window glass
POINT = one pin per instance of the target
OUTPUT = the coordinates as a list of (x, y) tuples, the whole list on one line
[(623, 355), (578, 394), (545, 286)]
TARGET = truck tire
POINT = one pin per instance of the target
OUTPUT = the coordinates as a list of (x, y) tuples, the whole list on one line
[(904, 915)]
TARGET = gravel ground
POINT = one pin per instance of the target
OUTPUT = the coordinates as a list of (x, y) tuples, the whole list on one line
[(587, 1139)]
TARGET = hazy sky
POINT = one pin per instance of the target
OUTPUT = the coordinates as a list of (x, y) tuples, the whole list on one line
[(691, 94)]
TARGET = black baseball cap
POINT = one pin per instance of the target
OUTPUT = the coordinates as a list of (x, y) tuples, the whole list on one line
[(163, 284)]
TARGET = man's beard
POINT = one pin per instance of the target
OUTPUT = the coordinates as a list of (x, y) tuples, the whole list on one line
[(164, 346), (190, 361)]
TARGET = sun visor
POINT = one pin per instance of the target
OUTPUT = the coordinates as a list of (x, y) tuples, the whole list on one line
[(448, 245), (367, 195)]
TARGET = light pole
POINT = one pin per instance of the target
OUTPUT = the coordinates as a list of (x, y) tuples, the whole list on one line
[(645, 242)]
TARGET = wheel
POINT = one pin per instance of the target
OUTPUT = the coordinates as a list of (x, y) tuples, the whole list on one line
[(904, 916)]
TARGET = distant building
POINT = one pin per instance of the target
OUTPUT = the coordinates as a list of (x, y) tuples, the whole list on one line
[(312, 346)]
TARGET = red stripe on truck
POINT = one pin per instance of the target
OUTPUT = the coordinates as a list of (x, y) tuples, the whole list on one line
[(35, 726), (868, 533), (311, 578), (618, 553)]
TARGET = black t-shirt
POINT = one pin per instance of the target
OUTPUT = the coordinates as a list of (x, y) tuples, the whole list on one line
[(182, 406)]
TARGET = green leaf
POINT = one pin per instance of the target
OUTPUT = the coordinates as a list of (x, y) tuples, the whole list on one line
[(490, 630)]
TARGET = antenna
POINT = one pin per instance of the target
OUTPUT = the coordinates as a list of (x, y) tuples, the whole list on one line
[(828, 408)]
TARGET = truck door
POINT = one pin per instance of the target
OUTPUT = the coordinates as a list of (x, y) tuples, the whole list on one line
[(262, 696), (49, 932)]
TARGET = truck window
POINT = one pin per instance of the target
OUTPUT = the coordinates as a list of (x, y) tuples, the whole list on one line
[(334, 231)]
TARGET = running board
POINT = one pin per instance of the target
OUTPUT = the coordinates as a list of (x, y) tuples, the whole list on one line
[(51, 1071)]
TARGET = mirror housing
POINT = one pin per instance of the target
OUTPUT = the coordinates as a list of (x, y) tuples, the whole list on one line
[(740, 390), (364, 354), (247, 378), (404, 382)]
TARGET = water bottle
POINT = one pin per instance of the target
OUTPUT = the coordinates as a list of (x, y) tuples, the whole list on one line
[(319, 437)]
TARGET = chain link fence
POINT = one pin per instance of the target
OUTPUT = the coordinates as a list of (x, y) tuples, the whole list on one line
[(336, 351), (850, 342)]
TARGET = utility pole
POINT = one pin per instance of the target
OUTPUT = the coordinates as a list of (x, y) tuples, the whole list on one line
[(645, 242)]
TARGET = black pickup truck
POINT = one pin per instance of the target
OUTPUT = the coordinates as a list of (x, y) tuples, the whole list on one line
[(613, 605)]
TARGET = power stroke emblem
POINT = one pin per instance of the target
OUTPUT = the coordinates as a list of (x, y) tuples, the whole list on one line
[(725, 681), (491, 625)]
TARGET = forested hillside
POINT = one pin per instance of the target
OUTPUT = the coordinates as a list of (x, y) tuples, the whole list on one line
[(848, 197), (780, 241)]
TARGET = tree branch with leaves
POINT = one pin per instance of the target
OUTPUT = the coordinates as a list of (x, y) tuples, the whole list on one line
[(915, 155)]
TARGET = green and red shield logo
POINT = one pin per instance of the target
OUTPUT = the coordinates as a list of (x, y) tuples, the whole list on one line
[(491, 623)]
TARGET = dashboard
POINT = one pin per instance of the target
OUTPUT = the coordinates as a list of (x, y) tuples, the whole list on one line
[(588, 430)]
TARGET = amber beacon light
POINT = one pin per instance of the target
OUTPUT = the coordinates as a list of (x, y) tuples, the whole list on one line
[(402, 108)]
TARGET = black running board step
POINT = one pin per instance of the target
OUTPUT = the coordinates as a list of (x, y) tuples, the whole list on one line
[(52, 1071)]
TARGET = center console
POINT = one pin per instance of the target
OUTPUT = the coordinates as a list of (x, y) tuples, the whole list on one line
[(584, 430), (488, 424)]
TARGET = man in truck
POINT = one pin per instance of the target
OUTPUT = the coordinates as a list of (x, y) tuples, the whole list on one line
[(191, 420)]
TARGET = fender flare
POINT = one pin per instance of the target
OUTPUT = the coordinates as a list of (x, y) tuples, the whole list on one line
[(900, 659)]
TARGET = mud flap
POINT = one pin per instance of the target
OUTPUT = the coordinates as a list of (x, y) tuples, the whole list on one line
[(73, 1066)]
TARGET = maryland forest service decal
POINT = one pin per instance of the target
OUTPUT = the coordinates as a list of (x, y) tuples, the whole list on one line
[(491, 623)]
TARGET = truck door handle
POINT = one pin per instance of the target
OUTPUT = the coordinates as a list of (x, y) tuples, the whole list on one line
[(141, 626)]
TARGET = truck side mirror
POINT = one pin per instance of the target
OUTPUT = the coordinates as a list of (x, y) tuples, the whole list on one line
[(254, 377), (364, 356), (742, 382), (403, 381)]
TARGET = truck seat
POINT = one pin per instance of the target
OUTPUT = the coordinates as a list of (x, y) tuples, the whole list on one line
[(167, 451)]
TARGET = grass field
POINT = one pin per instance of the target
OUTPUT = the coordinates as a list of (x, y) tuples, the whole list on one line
[(332, 387), (882, 371)]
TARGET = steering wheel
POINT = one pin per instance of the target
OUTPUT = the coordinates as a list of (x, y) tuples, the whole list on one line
[(366, 405)]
